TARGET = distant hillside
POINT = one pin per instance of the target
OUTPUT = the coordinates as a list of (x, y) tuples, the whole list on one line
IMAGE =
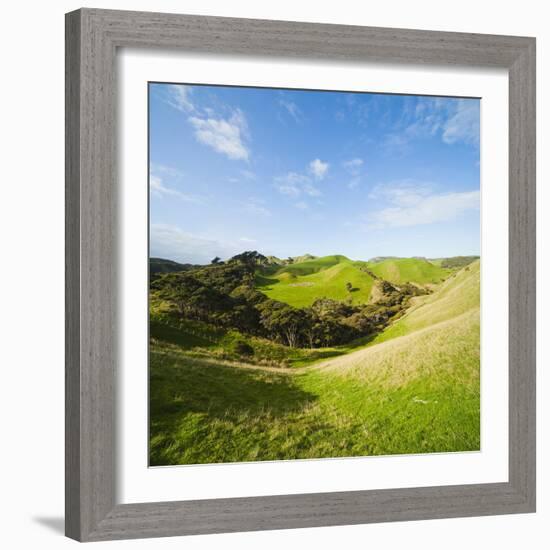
[(455, 262), (273, 260), (304, 258), (160, 265), (378, 259), (412, 270)]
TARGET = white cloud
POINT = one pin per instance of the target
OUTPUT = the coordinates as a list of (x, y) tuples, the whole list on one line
[(225, 136), (247, 240), (179, 97), (292, 109), (353, 166), (464, 124), (453, 120), (158, 189), (301, 205), (311, 190), (168, 241), (318, 168), (417, 204), (166, 171), (294, 184)]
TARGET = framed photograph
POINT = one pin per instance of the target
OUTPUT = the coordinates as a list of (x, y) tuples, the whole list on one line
[(300, 284)]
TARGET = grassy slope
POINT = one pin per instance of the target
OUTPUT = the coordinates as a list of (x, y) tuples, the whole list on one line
[(457, 295), (413, 270), (417, 391), (301, 284)]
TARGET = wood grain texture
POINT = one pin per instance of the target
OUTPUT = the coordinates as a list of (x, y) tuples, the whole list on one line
[(92, 37)]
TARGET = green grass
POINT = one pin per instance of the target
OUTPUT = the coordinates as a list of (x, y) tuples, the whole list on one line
[(301, 284), (457, 295), (409, 270), (313, 266), (414, 389)]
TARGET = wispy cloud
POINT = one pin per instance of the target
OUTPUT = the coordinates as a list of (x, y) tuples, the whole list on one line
[(295, 185), (166, 171), (453, 120), (463, 125), (248, 174), (256, 207), (301, 205), (292, 109), (169, 241), (354, 167), (410, 203), (356, 107), (225, 133), (318, 168), (179, 97), (159, 189)]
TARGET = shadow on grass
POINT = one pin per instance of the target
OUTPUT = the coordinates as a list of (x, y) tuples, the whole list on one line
[(190, 398), (195, 385), (179, 337), (262, 281)]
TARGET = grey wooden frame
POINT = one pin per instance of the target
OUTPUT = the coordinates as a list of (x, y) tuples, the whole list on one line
[(92, 39)]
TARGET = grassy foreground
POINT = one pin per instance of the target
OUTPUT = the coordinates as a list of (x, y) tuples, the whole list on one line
[(413, 389)]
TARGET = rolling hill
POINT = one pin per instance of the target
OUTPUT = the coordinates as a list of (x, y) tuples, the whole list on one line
[(300, 284), (415, 388), (409, 270)]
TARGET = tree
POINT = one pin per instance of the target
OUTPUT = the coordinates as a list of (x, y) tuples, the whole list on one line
[(250, 258), (216, 260), (349, 287)]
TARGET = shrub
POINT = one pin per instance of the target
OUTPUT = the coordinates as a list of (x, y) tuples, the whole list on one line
[(242, 348)]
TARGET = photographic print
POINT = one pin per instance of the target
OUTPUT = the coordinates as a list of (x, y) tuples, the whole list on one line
[(314, 274)]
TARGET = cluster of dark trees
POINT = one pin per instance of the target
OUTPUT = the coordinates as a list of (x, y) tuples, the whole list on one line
[(223, 294)]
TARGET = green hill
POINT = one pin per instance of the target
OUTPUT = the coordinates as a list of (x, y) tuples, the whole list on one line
[(458, 296), (409, 270), (302, 283), (315, 265)]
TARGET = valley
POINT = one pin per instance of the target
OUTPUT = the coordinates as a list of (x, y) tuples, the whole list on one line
[(269, 359)]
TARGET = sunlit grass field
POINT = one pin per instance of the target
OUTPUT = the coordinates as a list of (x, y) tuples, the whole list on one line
[(402, 270), (412, 389)]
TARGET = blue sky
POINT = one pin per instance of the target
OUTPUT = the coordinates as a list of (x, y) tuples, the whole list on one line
[(289, 172)]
